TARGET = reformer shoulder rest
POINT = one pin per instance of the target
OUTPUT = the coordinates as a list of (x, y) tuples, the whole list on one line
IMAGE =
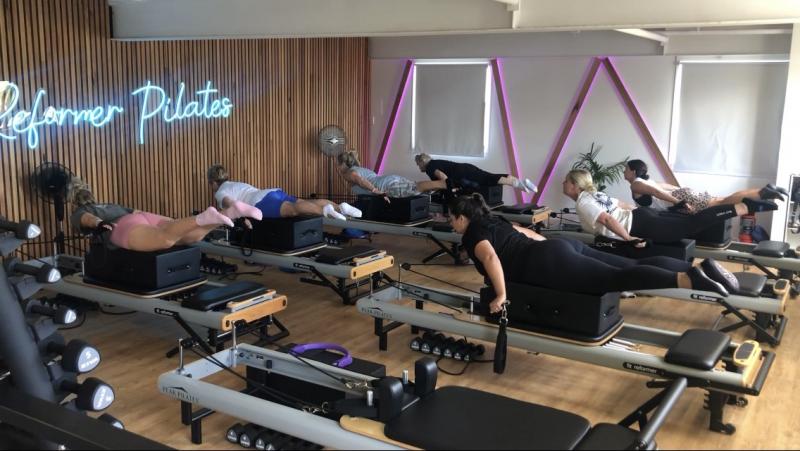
[(213, 298), (775, 249), (338, 256)]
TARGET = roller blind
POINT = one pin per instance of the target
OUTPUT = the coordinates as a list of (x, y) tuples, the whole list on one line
[(449, 109), (730, 116)]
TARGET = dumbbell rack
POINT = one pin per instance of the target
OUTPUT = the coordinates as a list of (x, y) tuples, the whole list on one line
[(44, 369), (254, 436), (441, 345)]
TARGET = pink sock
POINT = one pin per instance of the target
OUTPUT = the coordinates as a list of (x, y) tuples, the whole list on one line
[(212, 217), (240, 210)]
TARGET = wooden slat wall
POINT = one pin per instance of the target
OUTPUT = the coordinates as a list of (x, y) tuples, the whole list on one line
[(283, 91)]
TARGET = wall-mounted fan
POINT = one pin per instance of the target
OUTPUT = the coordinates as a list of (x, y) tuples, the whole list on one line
[(50, 181), (331, 141)]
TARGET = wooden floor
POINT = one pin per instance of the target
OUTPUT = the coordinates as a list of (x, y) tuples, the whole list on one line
[(133, 348)]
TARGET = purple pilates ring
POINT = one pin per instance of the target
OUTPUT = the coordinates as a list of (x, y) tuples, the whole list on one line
[(343, 362)]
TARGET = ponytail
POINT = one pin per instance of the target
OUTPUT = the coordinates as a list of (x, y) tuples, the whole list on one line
[(473, 207), (640, 168)]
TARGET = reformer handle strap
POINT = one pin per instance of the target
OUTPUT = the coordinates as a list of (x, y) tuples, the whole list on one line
[(500, 346)]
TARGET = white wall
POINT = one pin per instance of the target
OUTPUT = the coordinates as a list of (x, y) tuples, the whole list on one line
[(541, 91)]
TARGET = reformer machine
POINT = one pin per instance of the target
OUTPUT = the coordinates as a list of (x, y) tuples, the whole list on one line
[(168, 283), (762, 295), (332, 267), (395, 413), (39, 370), (587, 329)]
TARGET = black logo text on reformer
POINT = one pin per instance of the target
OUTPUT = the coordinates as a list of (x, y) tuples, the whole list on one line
[(642, 369)]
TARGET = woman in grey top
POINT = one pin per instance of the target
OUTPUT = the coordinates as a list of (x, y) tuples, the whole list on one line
[(366, 181), (142, 231)]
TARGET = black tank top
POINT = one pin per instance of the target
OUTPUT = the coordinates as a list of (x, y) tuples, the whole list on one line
[(645, 200)]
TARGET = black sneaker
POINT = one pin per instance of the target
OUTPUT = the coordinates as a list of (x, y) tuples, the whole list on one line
[(701, 282), (772, 192), (718, 273), (757, 206)]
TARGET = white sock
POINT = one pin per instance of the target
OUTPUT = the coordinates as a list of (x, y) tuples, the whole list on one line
[(350, 210), (329, 212), (530, 186)]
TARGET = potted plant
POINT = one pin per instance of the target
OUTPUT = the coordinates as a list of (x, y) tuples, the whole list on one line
[(602, 175)]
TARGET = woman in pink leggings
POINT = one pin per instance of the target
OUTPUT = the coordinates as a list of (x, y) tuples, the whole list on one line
[(142, 231)]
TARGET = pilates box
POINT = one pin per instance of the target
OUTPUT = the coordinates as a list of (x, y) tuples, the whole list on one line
[(562, 313), (399, 210), (281, 234), (309, 392), (717, 235), (142, 271), (493, 195)]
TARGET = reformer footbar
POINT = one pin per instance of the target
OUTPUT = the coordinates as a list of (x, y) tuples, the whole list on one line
[(392, 413), (691, 357), (363, 271)]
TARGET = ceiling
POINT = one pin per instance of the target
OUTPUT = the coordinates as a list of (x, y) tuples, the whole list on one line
[(651, 19)]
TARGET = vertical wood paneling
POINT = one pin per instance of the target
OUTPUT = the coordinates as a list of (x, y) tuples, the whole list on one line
[(283, 91)]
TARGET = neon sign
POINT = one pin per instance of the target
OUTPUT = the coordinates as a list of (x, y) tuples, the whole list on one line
[(154, 103)]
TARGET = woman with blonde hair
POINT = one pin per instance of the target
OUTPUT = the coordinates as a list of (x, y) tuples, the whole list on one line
[(142, 231), (601, 214), (272, 202), (366, 181)]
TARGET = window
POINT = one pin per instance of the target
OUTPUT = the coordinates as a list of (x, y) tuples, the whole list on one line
[(727, 115), (450, 107)]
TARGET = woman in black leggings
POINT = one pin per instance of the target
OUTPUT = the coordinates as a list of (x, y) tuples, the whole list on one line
[(503, 252), (603, 215)]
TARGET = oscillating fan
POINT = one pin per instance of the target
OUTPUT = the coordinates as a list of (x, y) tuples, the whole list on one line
[(332, 141), (50, 181)]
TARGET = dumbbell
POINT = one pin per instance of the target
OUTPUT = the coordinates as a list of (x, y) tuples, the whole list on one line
[(452, 346), (416, 342), (233, 433), (428, 340), (248, 436), (439, 347)]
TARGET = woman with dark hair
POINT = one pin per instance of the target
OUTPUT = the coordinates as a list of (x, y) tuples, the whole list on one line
[(503, 252), (663, 196)]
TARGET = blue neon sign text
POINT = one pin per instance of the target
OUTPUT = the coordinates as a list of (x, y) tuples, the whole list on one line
[(154, 103)]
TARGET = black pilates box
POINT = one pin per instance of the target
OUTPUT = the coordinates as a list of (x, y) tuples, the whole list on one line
[(583, 316), (492, 195), (398, 210), (142, 271), (281, 234), (716, 235)]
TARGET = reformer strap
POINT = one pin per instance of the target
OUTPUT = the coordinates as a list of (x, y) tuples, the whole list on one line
[(343, 362), (501, 345)]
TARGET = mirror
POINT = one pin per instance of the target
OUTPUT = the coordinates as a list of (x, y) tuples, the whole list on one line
[(792, 233)]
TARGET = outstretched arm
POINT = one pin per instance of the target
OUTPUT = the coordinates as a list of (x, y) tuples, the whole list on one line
[(612, 224), (491, 262), (646, 188), (440, 175), (357, 180)]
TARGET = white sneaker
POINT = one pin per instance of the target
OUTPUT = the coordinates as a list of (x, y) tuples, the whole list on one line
[(530, 186), (329, 212), (349, 210)]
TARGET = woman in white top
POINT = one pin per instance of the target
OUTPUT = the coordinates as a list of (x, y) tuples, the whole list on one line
[(366, 181), (603, 215), (273, 202), (663, 196)]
